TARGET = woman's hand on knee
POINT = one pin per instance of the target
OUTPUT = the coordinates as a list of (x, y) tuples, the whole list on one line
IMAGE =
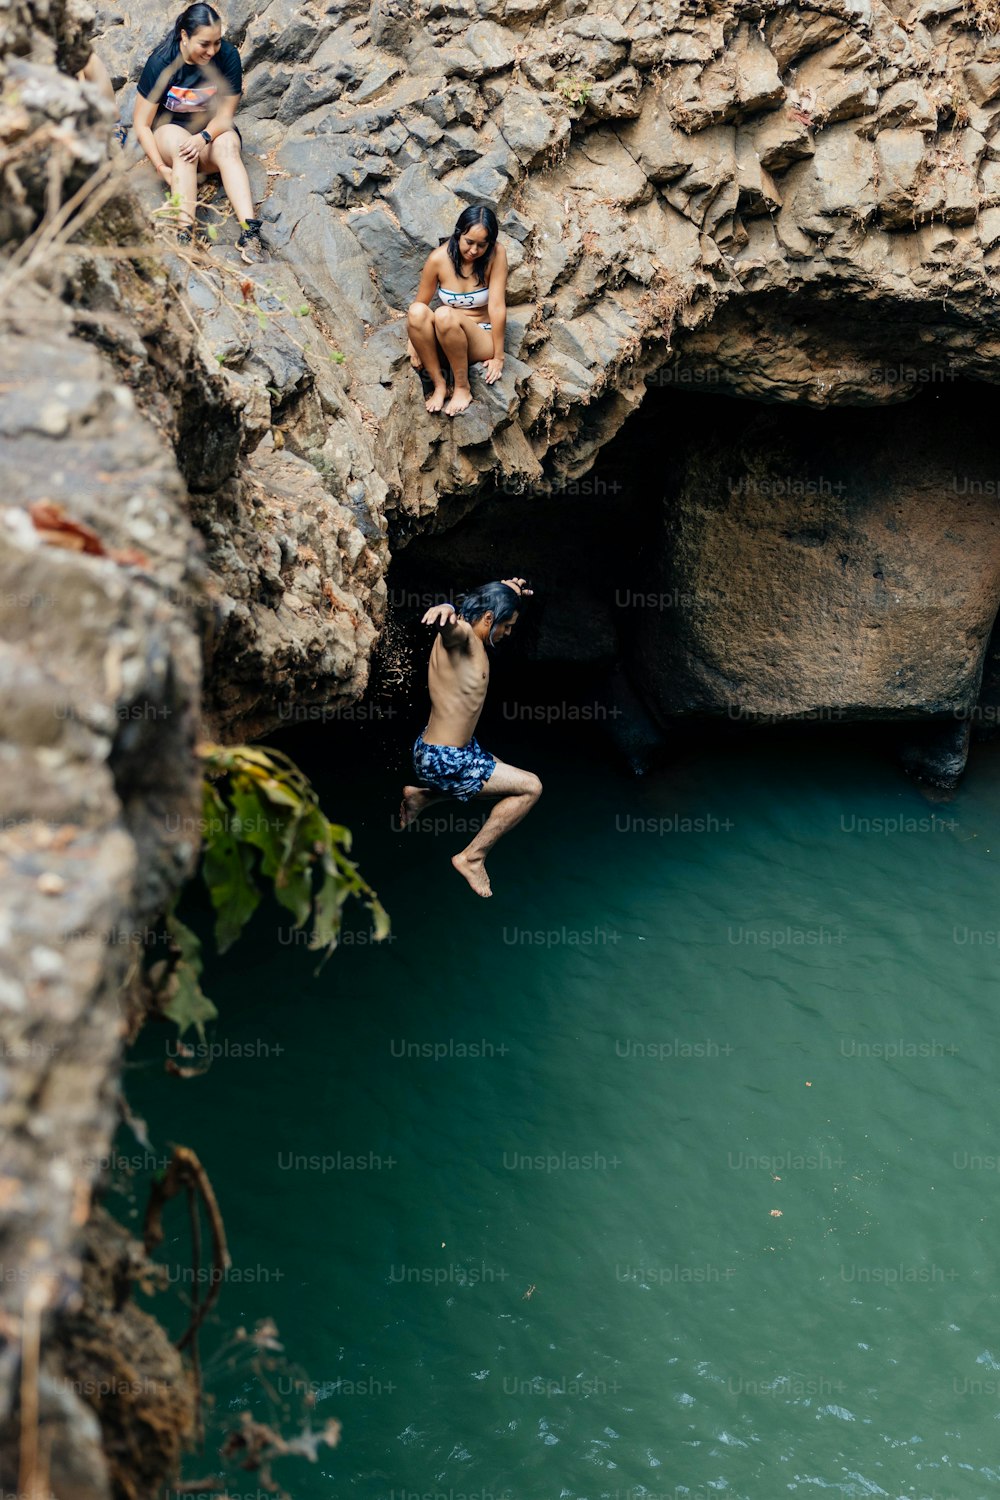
[(191, 149)]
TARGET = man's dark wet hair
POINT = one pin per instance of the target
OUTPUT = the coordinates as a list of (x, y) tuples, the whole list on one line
[(478, 216), (490, 597)]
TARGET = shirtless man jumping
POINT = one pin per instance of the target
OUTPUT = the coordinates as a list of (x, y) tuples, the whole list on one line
[(447, 757)]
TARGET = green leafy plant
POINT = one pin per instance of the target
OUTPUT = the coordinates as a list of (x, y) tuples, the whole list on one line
[(261, 819), (576, 91)]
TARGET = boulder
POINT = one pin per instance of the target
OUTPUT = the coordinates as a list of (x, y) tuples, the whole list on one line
[(860, 569)]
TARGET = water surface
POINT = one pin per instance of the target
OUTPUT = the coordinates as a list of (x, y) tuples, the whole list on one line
[(670, 1171)]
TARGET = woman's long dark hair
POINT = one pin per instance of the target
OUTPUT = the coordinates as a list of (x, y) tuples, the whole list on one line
[(190, 20), (479, 216)]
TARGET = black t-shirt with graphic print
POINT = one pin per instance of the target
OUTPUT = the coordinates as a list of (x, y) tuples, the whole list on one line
[(185, 93)]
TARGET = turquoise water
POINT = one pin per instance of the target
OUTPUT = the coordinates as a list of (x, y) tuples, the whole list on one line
[(671, 1171)]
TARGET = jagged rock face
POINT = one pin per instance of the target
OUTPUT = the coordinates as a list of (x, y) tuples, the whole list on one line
[(101, 798), (646, 161), (280, 480), (787, 203)]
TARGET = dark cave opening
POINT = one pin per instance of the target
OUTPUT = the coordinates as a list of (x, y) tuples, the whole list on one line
[(729, 560)]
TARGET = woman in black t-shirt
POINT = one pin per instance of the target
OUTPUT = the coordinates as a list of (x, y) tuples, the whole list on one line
[(185, 119)]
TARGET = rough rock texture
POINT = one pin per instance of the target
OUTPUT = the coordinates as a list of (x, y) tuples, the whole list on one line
[(789, 203), (101, 670), (294, 550), (825, 565)]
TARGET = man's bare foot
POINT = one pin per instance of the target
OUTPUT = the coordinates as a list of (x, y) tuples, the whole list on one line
[(415, 799), (474, 871), (461, 398), (437, 398)]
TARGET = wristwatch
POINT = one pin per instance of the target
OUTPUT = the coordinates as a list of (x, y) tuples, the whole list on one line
[(206, 135)]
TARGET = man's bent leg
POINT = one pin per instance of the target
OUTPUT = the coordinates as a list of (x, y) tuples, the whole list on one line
[(417, 799), (517, 791)]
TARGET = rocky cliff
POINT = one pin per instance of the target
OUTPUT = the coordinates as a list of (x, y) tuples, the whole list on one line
[(783, 203), (791, 204)]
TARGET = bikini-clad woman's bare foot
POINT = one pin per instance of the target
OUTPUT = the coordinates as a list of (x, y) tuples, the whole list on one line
[(461, 398), (415, 799), (474, 871), (437, 398)]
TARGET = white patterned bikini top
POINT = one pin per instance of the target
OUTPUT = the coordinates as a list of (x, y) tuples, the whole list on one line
[(478, 298)]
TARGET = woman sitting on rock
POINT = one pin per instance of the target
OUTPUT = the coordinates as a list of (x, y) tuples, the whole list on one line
[(184, 119), (468, 273)]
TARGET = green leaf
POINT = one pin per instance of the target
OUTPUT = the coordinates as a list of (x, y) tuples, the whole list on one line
[(326, 915), (278, 793), (255, 823), (294, 891), (227, 869), (188, 1006), (380, 916), (273, 825), (235, 758)]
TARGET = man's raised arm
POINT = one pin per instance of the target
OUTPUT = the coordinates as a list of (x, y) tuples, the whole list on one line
[(519, 585), (454, 632)]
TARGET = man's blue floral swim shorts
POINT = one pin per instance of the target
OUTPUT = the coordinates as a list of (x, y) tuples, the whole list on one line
[(456, 770)]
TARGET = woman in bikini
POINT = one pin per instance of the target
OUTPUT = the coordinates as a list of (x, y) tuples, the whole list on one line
[(468, 273), (185, 119)]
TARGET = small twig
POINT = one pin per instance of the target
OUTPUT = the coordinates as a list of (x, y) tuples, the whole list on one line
[(55, 231), (54, 222), (186, 1170), (195, 1223), (30, 1482)]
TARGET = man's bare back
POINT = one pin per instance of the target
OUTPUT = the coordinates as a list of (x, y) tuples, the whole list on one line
[(447, 757)]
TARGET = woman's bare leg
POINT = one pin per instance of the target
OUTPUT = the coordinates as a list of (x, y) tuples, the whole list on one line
[(420, 327), (450, 328), (224, 156), (465, 343), (183, 174)]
